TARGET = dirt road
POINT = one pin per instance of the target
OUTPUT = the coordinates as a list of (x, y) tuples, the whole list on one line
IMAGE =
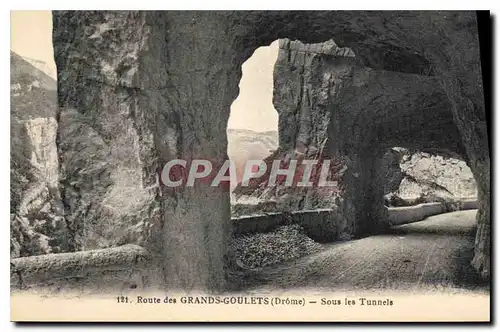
[(433, 254)]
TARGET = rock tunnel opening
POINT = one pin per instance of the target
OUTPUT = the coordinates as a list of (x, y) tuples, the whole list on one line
[(192, 120), (252, 129), (332, 103), (414, 177)]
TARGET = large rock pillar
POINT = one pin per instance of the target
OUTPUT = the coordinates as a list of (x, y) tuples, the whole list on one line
[(203, 78), (109, 72), (136, 90), (461, 74)]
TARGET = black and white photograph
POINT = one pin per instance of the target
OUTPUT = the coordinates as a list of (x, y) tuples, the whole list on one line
[(250, 166)]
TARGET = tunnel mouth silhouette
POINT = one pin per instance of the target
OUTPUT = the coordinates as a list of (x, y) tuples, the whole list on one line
[(252, 127), (427, 100), (418, 128), (414, 177), (383, 132)]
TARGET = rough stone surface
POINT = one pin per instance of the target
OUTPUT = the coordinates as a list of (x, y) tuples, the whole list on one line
[(159, 85), (426, 174), (105, 138), (37, 222), (126, 266), (130, 101), (410, 177), (330, 104)]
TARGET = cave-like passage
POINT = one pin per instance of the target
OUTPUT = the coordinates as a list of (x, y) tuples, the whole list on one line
[(165, 81)]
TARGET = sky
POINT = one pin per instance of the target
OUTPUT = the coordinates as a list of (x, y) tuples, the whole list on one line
[(31, 36)]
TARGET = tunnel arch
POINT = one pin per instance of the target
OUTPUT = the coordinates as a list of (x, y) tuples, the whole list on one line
[(184, 69), (443, 62), (253, 121), (324, 93)]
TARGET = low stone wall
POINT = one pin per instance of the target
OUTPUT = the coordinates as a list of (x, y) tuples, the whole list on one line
[(320, 225), (408, 214), (124, 267), (258, 223), (471, 204)]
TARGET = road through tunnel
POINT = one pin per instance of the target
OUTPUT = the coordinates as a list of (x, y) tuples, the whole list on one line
[(172, 77)]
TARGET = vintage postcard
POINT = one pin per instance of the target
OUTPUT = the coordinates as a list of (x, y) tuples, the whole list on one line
[(250, 166)]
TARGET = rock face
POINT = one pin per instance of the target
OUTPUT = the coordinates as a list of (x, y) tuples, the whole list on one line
[(426, 174), (106, 144), (330, 104), (37, 223), (127, 106), (390, 169), (329, 100), (137, 89), (301, 96)]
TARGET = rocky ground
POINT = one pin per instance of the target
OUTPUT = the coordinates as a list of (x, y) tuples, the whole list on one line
[(264, 249), (433, 254)]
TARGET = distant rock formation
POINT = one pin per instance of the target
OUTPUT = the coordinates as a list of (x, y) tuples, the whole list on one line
[(426, 174), (243, 145), (415, 177), (303, 124), (43, 67), (37, 221)]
